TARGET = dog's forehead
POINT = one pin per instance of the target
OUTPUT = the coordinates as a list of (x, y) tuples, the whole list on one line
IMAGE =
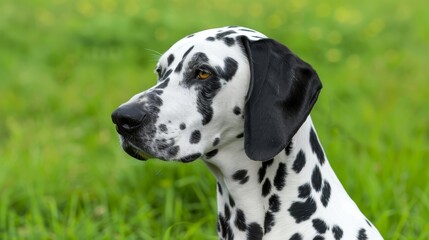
[(216, 41)]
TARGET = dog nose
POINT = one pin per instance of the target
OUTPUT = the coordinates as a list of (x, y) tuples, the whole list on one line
[(128, 117)]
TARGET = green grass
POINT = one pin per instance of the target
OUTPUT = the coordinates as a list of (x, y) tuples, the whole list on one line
[(65, 65)]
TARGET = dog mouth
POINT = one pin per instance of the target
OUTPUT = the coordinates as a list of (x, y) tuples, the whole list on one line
[(135, 151), (143, 150), (128, 145), (144, 147)]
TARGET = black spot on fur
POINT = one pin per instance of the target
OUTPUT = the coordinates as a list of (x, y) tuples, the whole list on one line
[(229, 70), (218, 227), (337, 231), (190, 157), (237, 110), (180, 65), (165, 74), (262, 171), (211, 39), (288, 148), (320, 225), (187, 52), (219, 188), (195, 137), (163, 84), (229, 41), (315, 146), (158, 92), (225, 229), (268, 222), (224, 34), (362, 234), (227, 212), (231, 201), (170, 59), (246, 30), (326, 193), (211, 153), (240, 220), (182, 126), (153, 99), (191, 35), (268, 162), (280, 178), (369, 224), (240, 135), (161, 145), (304, 191), (318, 237), (299, 162), (222, 223), (163, 128), (241, 176), (296, 236), (302, 211), (254, 231), (172, 151), (274, 203), (266, 188), (216, 142), (316, 179)]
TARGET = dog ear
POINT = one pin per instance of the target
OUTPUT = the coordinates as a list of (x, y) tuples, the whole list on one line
[(283, 89)]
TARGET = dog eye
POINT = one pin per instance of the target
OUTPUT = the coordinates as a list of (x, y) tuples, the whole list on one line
[(158, 71), (202, 74)]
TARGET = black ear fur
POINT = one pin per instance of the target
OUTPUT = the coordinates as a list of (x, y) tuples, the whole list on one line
[(283, 89)]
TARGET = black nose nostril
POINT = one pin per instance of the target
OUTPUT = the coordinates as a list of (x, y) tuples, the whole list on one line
[(128, 117)]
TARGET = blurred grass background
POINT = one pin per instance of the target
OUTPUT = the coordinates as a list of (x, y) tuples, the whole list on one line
[(65, 65)]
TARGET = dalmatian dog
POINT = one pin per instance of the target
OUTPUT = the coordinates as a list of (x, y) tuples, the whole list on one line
[(241, 102)]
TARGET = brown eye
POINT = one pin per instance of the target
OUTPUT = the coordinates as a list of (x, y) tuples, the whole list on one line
[(202, 75)]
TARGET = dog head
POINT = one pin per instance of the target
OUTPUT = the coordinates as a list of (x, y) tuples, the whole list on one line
[(216, 85)]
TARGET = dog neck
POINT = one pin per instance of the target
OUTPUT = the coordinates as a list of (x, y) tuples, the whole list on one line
[(256, 196)]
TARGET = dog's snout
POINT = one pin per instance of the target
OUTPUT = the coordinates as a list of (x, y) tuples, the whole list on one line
[(129, 117)]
